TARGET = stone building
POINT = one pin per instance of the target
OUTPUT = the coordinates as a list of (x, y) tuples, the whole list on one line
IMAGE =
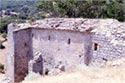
[(60, 44)]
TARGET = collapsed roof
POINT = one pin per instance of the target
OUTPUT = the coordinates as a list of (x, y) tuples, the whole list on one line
[(111, 28)]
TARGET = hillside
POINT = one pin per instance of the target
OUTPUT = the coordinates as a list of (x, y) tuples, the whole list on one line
[(22, 7), (19, 11)]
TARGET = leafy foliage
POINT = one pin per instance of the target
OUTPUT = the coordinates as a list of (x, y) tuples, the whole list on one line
[(25, 8), (4, 35), (21, 6), (84, 8), (5, 21)]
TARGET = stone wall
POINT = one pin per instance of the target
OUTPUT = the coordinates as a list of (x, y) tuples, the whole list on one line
[(59, 48), (19, 53), (22, 53), (9, 62), (105, 50), (53, 45), (46, 51)]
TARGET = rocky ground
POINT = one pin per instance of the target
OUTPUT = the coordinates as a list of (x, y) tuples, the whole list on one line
[(85, 75), (113, 72)]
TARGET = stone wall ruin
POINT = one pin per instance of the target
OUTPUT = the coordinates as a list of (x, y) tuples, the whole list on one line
[(59, 44)]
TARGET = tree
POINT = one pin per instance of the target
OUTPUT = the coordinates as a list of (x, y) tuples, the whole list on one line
[(5, 21), (4, 35), (84, 8), (124, 8)]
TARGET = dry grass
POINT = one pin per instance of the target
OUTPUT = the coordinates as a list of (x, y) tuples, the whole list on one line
[(85, 75), (3, 51), (2, 76)]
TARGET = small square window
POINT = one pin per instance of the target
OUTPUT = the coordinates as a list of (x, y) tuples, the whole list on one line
[(95, 46), (49, 37), (69, 41)]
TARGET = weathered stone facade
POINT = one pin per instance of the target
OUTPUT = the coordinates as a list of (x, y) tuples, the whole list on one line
[(106, 51), (59, 44), (61, 48)]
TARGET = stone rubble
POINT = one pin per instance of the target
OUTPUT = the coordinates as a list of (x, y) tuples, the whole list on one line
[(6, 80), (111, 28)]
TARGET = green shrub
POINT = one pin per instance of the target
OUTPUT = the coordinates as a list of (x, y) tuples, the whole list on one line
[(1, 68), (4, 35), (1, 45)]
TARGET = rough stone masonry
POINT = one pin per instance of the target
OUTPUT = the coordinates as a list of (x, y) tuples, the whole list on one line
[(60, 44)]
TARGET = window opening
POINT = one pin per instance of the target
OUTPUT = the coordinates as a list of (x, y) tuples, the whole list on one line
[(95, 46), (69, 41), (49, 37)]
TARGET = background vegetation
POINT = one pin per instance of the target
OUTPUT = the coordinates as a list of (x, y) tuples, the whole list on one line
[(26, 9), (85, 8), (38, 9)]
